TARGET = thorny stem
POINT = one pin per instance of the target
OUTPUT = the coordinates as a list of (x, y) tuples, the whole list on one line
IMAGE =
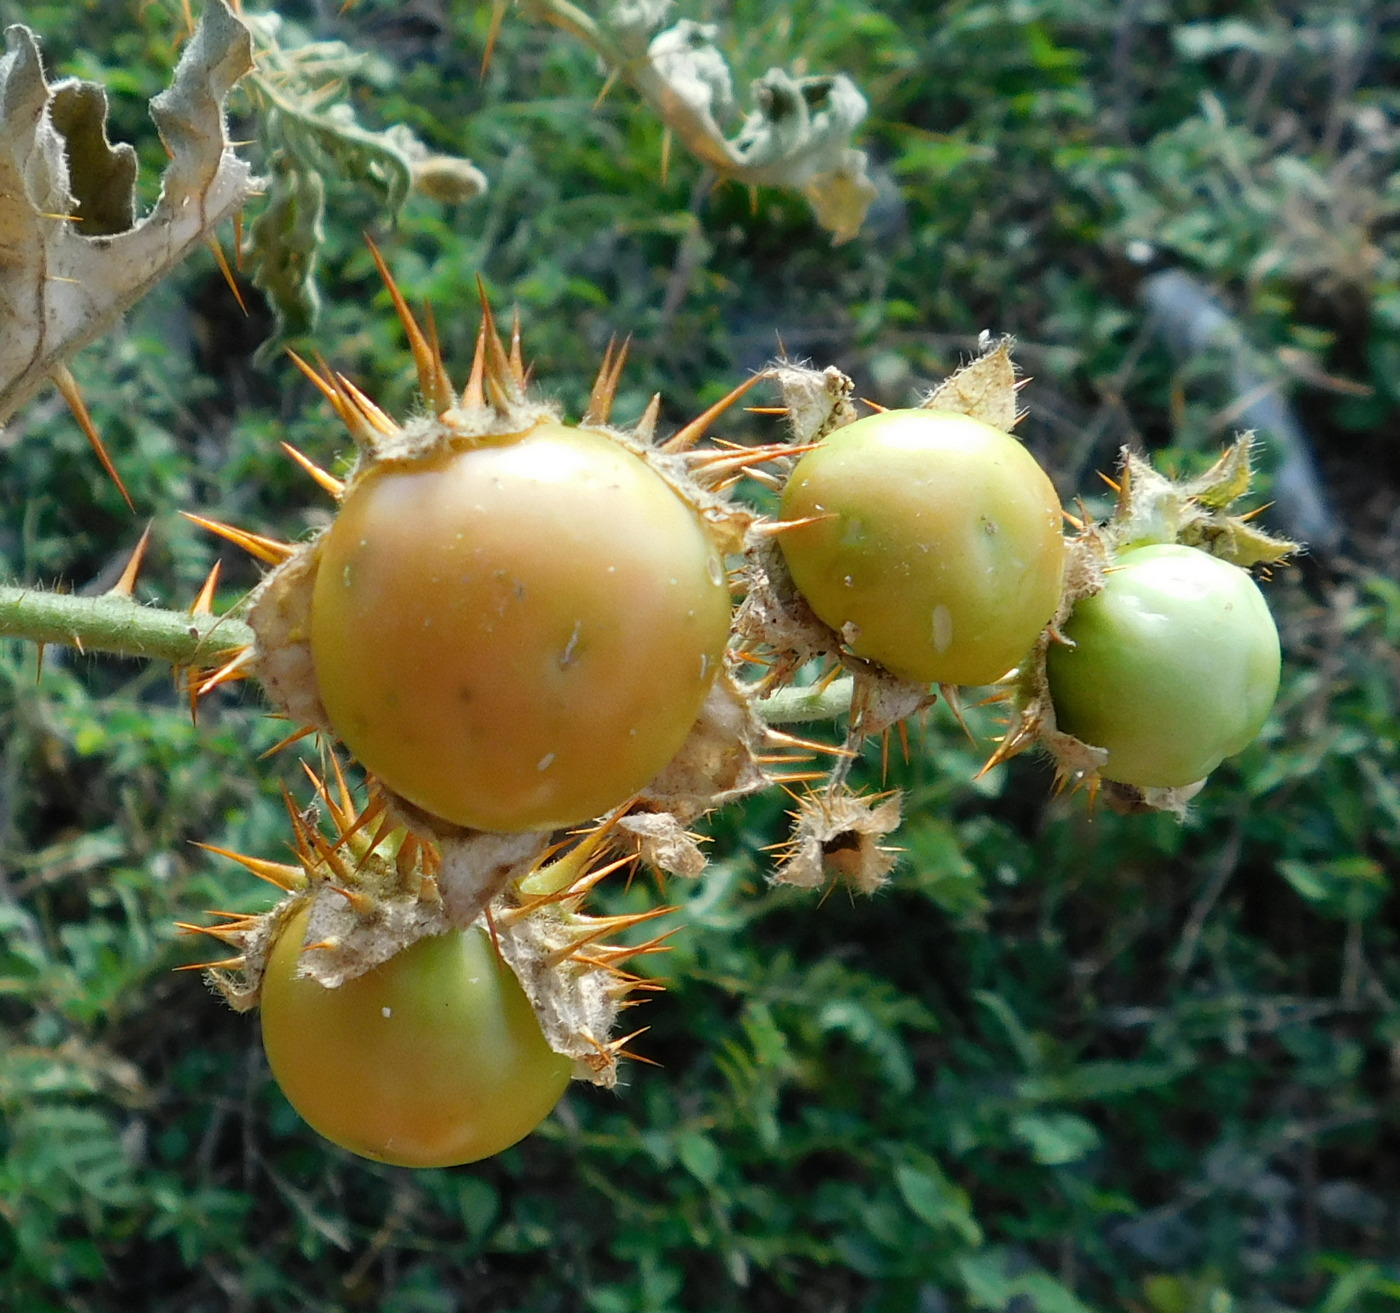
[(119, 625), (126, 628)]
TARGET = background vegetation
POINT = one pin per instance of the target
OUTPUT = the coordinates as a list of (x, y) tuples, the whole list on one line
[(1066, 1062)]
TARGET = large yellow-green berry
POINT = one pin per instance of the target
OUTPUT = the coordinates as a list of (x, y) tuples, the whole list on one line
[(934, 545), (430, 1059), (518, 634)]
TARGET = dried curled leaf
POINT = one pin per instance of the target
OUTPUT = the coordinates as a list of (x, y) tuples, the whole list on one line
[(74, 257), (798, 135), (309, 132), (283, 244), (575, 995), (818, 401)]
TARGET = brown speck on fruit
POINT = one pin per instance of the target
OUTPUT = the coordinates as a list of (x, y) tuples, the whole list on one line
[(567, 656)]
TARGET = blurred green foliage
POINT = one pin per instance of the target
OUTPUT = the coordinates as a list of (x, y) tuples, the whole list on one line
[(1068, 1060)]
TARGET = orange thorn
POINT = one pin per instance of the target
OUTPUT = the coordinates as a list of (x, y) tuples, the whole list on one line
[(665, 155), (68, 388), (226, 674), (646, 426), (517, 361), (284, 876), (954, 704), (874, 405), (222, 260), (474, 392), (326, 853), (324, 478), (709, 462), (600, 400), (203, 603), (695, 430), (301, 839), (347, 802), (608, 83), (319, 785), (326, 388), (770, 481), (1117, 487), (223, 964), (295, 737), (126, 585), (618, 1047), (361, 903), (432, 377), (793, 741), (772, 528), (376, 417), (501, 387), (267, 550), (498, 13), (434, 342)]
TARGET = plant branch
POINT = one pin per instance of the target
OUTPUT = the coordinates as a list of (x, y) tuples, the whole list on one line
[(119, 625), (126, 628), (793, 706)]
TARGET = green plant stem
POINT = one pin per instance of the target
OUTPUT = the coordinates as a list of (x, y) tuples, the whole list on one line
[(117, 624), (792, 706)]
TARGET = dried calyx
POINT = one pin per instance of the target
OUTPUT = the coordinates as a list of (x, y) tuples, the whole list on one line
[(372, 889)]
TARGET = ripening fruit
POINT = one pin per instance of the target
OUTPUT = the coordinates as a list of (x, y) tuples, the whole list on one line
[(517, 634), (1174, 667), (935, 548), (431, 1059)]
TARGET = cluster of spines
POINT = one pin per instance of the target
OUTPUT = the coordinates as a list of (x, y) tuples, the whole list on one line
[(337, 857)]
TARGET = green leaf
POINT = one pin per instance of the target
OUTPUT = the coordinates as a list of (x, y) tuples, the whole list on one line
[(700, 1156), (1352, 887), (934, 1199), (1055, 1138)]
